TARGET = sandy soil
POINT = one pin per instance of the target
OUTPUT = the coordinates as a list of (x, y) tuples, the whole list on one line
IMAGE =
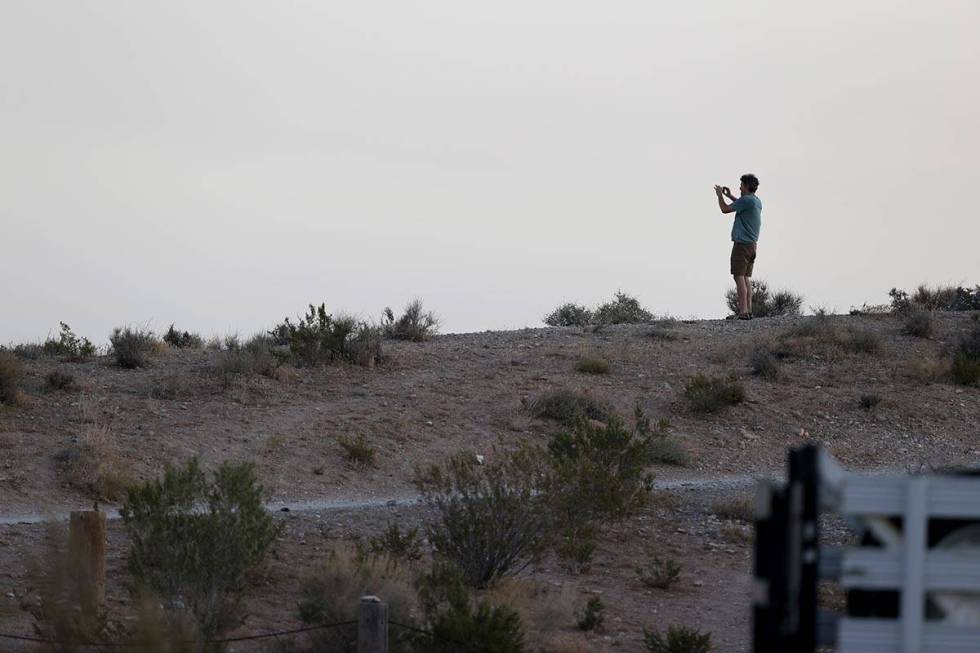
[(465, 391)]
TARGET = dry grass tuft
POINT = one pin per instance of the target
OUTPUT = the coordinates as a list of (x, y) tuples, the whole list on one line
[(544, 610), (741, 509), (9, 378), (95, 464)]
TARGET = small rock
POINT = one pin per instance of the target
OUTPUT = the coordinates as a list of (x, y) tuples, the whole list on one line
[(698, 583), (480, 459)]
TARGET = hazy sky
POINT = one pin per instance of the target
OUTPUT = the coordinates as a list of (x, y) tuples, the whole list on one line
[(222, 164)]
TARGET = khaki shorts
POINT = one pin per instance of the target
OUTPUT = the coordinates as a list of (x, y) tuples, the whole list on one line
[(743, 259)]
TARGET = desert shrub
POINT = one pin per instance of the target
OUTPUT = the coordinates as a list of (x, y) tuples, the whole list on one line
[(739, 509), (679, 639), (667, 450), (600, 470), (59, 380), (319, 337), (927, 369), (862, 341), (182, 339), (397, 545), (918, 323), (591, 616), (254, 357), (764, 364), (193, 539), (456, 621), (132, 347), (966, 299), (966, 357), (623, 309), (69, 345), (357, 449), (566, 406), (662, 334), (766, 303), (869, 401), (415, 323), (570, 314), (575, 544), (592, 365), (331, 594), (940, 298), (95, 465), (712, 394), (659, 573), (490, 518), (27, 350), (9, 378)]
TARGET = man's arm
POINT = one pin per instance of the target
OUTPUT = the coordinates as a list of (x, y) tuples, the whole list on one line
[(725, 208)]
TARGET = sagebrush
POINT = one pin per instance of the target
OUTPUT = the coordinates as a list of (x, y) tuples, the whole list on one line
[(415, 323), (767, 303), (132, 347)]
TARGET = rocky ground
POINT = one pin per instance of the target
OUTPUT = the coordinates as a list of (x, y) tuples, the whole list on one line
[(466, 391)]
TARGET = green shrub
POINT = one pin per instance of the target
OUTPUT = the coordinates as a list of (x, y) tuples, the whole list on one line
[(132, 347), (766, 303), (679, 639), (455, 621), (28, 351), (966, 358), (570, 314), (765, 365), (918, 323), (182, 339), (575, 544), (357, 449), (599, 471), (415, 323), (940, 298), (712, 394), (591, 617), (667, 450), (396, 544), (9, 378), (659, 573), (623, 309), (869, 401), (566, 406), (319, 337), (592, 365), (69, 345), (193, 539), (490, 519), (59, 380)]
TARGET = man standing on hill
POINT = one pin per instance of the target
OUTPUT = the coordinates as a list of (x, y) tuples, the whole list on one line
[(745, 236)]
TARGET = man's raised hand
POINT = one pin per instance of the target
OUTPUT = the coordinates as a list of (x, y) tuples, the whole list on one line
[(719, 190)]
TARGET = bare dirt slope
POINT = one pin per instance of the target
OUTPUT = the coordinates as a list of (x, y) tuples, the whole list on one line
[(465, 392)]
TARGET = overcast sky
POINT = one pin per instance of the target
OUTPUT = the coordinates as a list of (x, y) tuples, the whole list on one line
[(222, 164)]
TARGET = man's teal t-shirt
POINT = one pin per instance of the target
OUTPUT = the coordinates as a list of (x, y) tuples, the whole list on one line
[(748, 219)]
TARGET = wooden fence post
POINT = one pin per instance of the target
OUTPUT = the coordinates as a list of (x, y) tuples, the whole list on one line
[(86, 557), (372, 625)]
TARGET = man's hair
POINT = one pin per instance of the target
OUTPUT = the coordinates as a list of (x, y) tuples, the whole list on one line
[(751, 182)]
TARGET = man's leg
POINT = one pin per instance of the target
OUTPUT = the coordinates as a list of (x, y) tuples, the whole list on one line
[(748, 295), (740, 289)]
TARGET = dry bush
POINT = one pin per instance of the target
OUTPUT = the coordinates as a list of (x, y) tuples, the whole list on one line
[(60, 380), (95, 465), (737, 534), (679, 639), (766, 303), (69, 345), (332, 592), (254, 357), (741, 509), (592, 364), (712, 394), (918, 323), (132, 347), (357, 449), (659, 573), (966, 357), (927, 370), (662, 334), (182, 339), (319, 337), (819, 335), (868, 401), (623, 309), (566, 406), (765, 364), (415, 324), (399, 546), (940, 298), (175, 386), (545, 609), (10, 372), (564, 643)]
